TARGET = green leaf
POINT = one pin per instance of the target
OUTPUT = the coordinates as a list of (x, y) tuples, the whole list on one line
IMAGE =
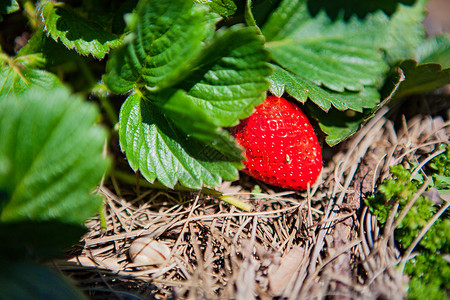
[(435, 50), (261, 9), (50, 138), (37, 240), (338, 55), (20, 280), (421, 78), (428, 269), (20, 73), (53, 53), (405, 32), (232, 78), (160, 150), (284, 20), (188, 116), (106, 13), (225, 8), (8, 7), (302, 89), (198, 79), (338, 125), (165, 41), (248, 15), (62, 23)]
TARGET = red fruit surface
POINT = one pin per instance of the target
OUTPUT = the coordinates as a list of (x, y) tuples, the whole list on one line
[(280, 145)]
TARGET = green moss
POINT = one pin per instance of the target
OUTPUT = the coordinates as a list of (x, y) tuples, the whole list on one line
[(430, 276), (429, 272)]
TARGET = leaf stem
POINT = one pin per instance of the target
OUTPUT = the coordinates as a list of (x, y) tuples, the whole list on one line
[(109, 109), (236, 202), (101, 213), (86, 71), (97, 90), (30, 13)]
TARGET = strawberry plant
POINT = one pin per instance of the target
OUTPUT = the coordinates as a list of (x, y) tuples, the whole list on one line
[(170, 78), (187, 71), (48, 169)]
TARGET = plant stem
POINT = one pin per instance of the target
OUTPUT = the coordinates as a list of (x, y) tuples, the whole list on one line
[(109, 109), (86, 71), (30, 13), (104, 101), (236, 202), (101, 213)]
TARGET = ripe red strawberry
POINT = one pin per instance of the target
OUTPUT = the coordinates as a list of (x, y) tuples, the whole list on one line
[(280, 145)]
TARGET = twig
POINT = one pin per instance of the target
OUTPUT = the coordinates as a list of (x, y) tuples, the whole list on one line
[(180, 237), (419, 167)]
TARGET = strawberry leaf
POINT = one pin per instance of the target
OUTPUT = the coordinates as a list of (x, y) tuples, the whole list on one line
[(338, 125), (421, 78), (165, 42), (20, 73), (405, 32), (435, 50), (21, 280), (8, 7), (53, 53), (302, 89), (198, 124), (225, 8), (338, 55), (160, 150), (198, 79), (87, 38), (38, 239), (232, 76), (338, 64), (50, 166)]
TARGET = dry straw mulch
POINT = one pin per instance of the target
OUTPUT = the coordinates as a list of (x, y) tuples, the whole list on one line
[(319, 243)]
